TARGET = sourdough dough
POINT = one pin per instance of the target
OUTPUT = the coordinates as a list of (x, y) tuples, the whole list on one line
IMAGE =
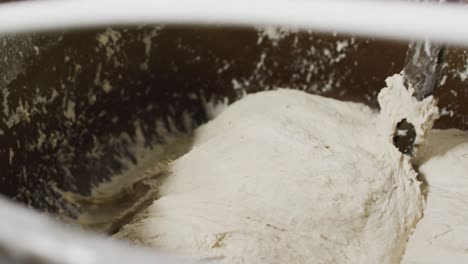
[(442, 234), (287, 177)]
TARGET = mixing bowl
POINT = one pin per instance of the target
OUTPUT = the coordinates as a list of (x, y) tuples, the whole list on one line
[(84, 105)]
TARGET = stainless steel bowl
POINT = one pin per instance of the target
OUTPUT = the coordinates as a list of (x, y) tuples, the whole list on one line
[(74, 101)]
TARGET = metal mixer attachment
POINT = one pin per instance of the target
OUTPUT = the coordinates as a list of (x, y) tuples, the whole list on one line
[(422, 70)]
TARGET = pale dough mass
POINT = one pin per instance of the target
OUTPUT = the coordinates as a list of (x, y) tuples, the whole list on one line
[(441, 236), (287, 177)]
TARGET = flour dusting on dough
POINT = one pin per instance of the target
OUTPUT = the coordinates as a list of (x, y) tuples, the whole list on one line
[(286, 177)]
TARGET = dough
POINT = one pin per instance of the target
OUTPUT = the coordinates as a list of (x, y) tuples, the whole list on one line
[(442, 235), (287, 177)]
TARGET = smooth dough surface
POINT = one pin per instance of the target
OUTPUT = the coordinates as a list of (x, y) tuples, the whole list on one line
[(287, 177)]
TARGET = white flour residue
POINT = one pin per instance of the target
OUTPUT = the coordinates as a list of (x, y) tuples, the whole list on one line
[(461, 74), (109, 40), (213, 107), (21, 114), (446, 112), (341, 45), (69, 111), (6, 109), (309, 64), (11, 155), (274, 33), (106, 86), (443, 80), (148, 42)]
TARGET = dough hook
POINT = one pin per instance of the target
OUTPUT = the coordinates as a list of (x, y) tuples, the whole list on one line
[(421, 72)]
